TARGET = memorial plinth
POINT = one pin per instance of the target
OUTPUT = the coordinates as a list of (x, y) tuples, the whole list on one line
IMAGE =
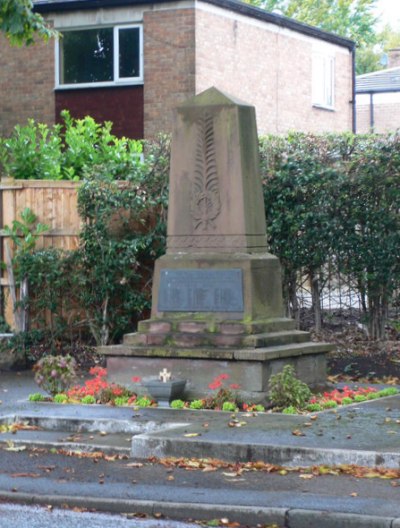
[(217, 302)]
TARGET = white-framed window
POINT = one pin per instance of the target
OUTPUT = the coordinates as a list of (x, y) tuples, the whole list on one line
[(323, 80), (100, 56)]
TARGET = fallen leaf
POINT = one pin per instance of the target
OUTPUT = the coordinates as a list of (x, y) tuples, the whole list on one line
[(191, 435), (306, 476), (354, 494), (135, 465), (297, 432), (25, 475)]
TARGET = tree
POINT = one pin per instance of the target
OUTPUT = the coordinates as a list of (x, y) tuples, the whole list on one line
[(20, 24)]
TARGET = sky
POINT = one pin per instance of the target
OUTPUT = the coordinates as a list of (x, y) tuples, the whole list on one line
[(389, 12)]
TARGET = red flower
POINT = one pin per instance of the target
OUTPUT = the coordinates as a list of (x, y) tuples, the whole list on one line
[(136, 379), (234, 386), (98, 371), (216, 384)]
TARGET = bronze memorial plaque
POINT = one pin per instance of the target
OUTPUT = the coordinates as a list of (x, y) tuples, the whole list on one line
[(201, 290)]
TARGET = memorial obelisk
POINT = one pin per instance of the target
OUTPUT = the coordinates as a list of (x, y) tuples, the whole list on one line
[(217, 302)]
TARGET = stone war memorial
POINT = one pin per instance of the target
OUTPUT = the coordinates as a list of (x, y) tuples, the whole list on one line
[(217, 303)]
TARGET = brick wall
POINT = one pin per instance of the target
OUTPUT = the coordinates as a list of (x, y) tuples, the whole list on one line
[(26, 84), (187, 50), (270, 68), (386, 118), (169, 65), (121, 105)]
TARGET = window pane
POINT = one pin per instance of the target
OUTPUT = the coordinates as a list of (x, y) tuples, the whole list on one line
[(87, 56), (129, 52)]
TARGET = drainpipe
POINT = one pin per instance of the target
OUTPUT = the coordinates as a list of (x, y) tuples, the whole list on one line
[(353, 89), (371, 113)]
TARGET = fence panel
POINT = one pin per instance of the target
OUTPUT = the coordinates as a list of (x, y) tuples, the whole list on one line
[(54, 203)]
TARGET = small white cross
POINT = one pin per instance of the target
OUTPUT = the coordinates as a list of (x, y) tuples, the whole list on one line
[(164, 375)]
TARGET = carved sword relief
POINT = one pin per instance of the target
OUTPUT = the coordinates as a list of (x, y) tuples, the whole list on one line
[(205, 204)]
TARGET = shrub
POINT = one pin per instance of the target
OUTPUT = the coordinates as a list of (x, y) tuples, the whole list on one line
[(289, 410), (55, 374), (60, 398), (286, 390), (197, 404), (143, 401), (347, 400), (88, 399), (329, 404), (314, 407), (360, 398), (229, 406), (177, 404), (36, 397), (389, 391), (120, 401)]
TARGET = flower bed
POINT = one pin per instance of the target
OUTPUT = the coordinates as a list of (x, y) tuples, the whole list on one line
[(341, 397), (99, 390)]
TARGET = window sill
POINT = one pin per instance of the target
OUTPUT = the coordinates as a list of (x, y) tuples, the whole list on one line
[(323, 107), (86, 86)]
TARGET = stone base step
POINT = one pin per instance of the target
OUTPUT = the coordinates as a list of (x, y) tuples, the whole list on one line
[(195, 326), (186, 339), (239, 354)]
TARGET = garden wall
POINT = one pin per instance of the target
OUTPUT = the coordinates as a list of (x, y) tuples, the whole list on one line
[(54, 203)]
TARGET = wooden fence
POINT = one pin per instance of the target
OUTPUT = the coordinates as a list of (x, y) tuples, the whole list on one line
[(54, 203)]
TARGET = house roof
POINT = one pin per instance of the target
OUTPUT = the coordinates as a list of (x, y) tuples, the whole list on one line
[(379, 82), (54, 6)]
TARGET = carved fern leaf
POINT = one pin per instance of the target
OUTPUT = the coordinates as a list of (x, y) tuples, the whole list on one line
[(205, 199)]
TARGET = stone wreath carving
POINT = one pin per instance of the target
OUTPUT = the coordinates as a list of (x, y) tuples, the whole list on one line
[(205, 203)]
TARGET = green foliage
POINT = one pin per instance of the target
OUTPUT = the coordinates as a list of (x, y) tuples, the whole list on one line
[(360, 398), (314, 407), (60, 398), (88, 399), (229, 406), (334, 199), (55, 374), (104, 285), (120, 401), (287, 390), (258, 407), (143, 401), (20, 24), (36, 397), (25, 232), (177, 404), (289, 410), (330, 404), (67, 151), (347, 400), (389, 391), (197, 404)]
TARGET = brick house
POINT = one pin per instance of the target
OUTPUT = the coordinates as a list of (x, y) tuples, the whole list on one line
[(133, 61), (378, 98)]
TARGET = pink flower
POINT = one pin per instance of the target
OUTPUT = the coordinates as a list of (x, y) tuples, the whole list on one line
[(136, 379), (234, 386)]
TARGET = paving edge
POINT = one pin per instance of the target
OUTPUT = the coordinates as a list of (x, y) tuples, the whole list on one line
[(283, 517), (146, 445)]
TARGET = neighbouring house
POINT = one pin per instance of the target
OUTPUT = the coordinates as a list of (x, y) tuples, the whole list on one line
[(133, 61), (378, 98)]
